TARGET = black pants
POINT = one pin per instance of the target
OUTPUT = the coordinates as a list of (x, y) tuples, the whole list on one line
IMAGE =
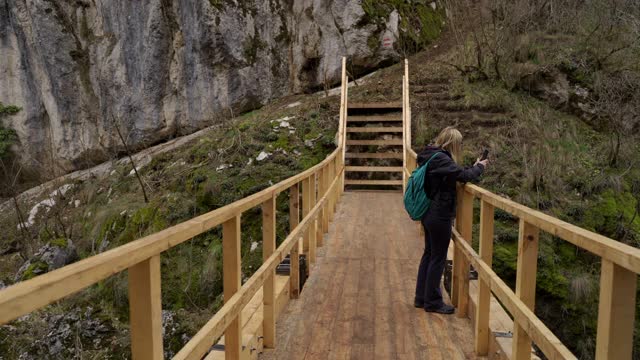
[(437, 235)]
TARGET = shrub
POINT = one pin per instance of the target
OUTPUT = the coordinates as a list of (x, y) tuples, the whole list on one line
[(8, 137)]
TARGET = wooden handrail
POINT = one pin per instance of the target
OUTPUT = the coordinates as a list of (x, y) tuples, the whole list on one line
[(618, 281), (544, 338), (27, 296), (615, 251), (202, 341), (407, 160), (142, 258), (342, 129)]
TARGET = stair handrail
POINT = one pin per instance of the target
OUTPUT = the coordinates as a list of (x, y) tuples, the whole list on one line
[(141, 258), (344, 99), (405, 106), (408, 155)]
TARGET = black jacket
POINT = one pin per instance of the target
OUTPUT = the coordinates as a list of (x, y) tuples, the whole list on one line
[(440, 180)]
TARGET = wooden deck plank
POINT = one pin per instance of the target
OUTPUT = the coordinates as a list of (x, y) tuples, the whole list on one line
[(376, 129), (374, 118), (343, 327), (383, 155), (391, 142), (376, 105), (323, 327), (373, 182), (308, 316), (384, 346), (363, 323), (374, 168), (404, 341), (358, 302)]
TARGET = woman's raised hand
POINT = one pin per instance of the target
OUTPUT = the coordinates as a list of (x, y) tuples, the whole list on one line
[(484, 162)]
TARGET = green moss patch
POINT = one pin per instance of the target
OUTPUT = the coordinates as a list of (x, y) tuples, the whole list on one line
[(34, 269), (419, 25), (60, 242)]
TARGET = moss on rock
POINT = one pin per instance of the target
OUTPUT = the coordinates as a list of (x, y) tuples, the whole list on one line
[(34, 269), (610, 212), (60, 242), (420, 22)]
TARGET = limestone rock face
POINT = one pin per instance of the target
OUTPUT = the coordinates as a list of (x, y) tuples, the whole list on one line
[(160, 68)]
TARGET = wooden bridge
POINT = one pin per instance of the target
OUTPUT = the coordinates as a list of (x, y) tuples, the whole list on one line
[(363, 251)]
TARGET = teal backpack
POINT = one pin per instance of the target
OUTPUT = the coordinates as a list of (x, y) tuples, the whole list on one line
[(416, 201)]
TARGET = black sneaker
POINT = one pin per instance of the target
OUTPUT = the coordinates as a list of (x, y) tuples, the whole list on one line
[(444, 309), (418, 304)]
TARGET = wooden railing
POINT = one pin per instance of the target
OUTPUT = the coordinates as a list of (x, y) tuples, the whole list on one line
[(322, 186), (406, 126), (618, 278)]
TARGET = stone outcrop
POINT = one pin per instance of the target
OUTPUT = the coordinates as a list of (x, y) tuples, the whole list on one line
[(53, 255), (61, 333), (160, 68)]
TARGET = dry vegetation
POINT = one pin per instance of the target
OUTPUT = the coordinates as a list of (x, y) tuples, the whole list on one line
[(552, 88), (98, 214)]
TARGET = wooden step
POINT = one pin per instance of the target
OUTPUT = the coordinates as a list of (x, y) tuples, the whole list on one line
[(373, 118), (381, 129), (374, 168), (382, 155), (375, 142), (372, 182), (375, 105)]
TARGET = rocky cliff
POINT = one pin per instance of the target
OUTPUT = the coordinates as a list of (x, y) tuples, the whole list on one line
[(159, 68)]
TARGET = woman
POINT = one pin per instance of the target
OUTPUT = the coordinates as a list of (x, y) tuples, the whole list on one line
[(440, 185)]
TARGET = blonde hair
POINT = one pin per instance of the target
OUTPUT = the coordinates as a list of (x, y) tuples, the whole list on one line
[(450, 139)]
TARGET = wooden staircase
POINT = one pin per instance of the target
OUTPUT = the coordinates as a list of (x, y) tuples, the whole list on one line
[(374, 144)]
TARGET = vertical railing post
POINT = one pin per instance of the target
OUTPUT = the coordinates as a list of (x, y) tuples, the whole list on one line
[(231, 274), (344, 131), (464, 223), (343, 116), (312, 227), (326, 209), (294, 257), (404, 130), (319, 232), (407, 135), (413, 164), (306, 207), (525, 284), (145, 307), (616, 312), (339, 166), (457, 254), (406, 122), (269, 287), (338, 186), (332, 196), (484, 291)]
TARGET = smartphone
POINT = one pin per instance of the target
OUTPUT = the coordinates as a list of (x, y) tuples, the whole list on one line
[(485, 154)]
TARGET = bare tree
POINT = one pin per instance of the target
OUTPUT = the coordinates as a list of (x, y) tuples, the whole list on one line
[(617, 107), (325, 83), (11, 176), (133, 164)]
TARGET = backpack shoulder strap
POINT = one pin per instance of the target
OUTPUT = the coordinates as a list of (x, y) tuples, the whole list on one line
[(424, 166), (431, 158)]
